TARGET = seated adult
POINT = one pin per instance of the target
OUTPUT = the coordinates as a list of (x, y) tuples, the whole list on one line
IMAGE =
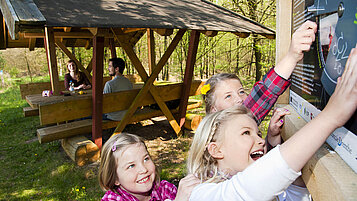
[(79, 79), (118, 83)]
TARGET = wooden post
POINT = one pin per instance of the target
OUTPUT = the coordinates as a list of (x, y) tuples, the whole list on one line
[(190, 64), (112, 48), (51, 59), (151, 50), (97, 83), (283, 36)]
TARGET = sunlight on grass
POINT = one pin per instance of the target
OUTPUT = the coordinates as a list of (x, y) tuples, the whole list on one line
[(60, 170)]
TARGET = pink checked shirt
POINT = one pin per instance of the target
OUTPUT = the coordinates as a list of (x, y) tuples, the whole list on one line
[(165, 191)]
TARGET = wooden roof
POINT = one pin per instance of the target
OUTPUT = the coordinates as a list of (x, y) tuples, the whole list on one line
[(30, 16)]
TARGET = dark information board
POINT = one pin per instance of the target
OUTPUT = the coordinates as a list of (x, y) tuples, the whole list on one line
[(314, 78)]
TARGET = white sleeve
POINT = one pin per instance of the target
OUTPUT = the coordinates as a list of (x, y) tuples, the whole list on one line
[(295, 193), (263, 180)]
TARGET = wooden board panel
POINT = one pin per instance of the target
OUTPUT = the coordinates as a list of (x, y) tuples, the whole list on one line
[(326, 175), (52, 133), (75, 109)]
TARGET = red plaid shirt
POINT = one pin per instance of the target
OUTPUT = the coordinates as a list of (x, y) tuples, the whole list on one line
[(265, 93), (165, 191)]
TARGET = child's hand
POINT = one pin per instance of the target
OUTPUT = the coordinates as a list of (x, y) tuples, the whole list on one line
[(301, 40), (186, 186), (276, 122), (343, 101)]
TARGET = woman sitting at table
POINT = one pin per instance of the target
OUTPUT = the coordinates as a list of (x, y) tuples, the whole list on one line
[(79, 79)]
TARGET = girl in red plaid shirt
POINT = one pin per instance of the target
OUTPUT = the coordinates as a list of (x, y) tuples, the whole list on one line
[(127, 173), (225, 90)]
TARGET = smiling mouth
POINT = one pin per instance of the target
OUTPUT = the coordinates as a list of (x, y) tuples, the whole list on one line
[(144, 180), (256, 155)]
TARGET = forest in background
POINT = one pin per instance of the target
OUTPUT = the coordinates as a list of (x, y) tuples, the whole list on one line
[(249, 57)]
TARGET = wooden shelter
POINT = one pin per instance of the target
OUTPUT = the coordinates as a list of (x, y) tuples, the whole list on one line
[(108, 23)]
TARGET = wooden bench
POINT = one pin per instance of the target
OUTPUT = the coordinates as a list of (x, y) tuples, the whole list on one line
[(76, 109), (52, 133)]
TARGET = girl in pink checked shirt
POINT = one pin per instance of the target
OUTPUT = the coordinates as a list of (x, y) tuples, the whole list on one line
[(127, 173)]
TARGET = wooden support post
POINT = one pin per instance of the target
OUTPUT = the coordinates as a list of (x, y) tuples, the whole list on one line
[(190, 64), (283, 36), (112, 48), (97, 91), (151, 49), (32, 43), (51, 59)]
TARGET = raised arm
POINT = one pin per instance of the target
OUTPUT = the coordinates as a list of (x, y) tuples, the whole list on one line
[(300, 43), (301, 146)]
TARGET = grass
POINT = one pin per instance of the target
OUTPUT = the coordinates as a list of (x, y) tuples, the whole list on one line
[(33, 171)]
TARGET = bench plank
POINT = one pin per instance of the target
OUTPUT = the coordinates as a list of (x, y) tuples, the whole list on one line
[(75, 109), (29, 111)]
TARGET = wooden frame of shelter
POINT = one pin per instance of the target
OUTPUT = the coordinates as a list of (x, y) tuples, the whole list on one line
[(326, 175), (99, 24)]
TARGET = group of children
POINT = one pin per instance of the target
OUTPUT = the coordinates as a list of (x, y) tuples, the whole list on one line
[(228, 159)]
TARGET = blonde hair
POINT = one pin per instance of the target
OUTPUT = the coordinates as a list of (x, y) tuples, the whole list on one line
[(199, 161), (209, 97), (108, 163)]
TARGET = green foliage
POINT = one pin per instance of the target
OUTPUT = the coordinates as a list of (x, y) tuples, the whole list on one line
[(33, 171)]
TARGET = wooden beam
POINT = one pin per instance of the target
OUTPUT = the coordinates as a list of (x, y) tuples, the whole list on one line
[(190, 65), (242, 35), (51, 59), (151, 49), (283, 33), (164, 32), (3, 33), (129, 30), (210, 33), (67, 29), (71, 56), (326, 175), (32, 43), (84, 34), (148, 81), (90, 66), (97, 91), (87, 45), (113, 51)]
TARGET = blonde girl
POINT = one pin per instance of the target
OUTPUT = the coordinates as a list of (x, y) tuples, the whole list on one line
[(229, 155), (127, 172)]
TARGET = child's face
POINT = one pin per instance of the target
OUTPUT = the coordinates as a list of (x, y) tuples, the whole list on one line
[(227, 94), (136, 170), (241, 144)]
